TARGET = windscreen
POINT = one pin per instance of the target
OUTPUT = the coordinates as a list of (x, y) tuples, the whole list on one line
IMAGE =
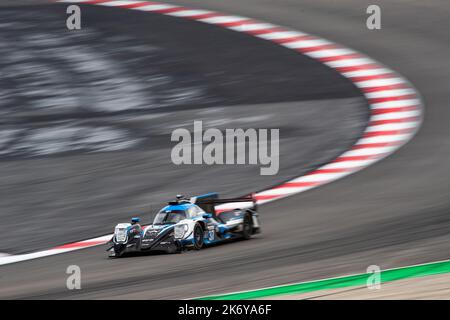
[(169, 216)]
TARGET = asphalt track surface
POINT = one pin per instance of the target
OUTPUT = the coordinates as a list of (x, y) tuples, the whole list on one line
[(392, 214), (90, 115)]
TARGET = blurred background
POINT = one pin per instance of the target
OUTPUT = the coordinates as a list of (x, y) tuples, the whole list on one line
[(85, 123), (87, 116)]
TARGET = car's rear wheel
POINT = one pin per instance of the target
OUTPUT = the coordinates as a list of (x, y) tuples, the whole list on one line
[(198, 237), (247, 227)]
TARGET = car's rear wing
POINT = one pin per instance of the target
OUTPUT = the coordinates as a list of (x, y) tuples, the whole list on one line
[(211, 203)]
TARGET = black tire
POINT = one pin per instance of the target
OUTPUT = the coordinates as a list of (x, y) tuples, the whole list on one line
[(178, 247), (198, 236), (118, 251), (247, 227)]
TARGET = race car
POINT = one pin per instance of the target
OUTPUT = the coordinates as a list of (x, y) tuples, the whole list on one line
[(186, 224)]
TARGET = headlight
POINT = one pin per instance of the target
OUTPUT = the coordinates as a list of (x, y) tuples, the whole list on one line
[(180, 230), (121, 234)]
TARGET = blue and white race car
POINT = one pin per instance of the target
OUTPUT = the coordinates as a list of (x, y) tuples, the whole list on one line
[(188, 224)]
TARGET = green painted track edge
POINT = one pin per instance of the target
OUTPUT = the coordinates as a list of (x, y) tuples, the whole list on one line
[(340, 282)]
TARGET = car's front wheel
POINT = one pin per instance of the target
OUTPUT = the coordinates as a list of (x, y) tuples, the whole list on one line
[(117, 251), (198, 237)]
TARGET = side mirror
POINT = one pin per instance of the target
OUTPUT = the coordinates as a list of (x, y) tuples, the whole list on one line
[(207, 215), (135, 220)]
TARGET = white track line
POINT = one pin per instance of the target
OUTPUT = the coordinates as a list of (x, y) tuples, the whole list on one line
[(383, 136)]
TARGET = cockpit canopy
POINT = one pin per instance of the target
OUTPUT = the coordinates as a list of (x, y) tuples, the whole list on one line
[(173, 214)]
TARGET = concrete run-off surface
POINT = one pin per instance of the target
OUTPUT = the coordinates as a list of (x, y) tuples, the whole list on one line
[(435, 287)]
